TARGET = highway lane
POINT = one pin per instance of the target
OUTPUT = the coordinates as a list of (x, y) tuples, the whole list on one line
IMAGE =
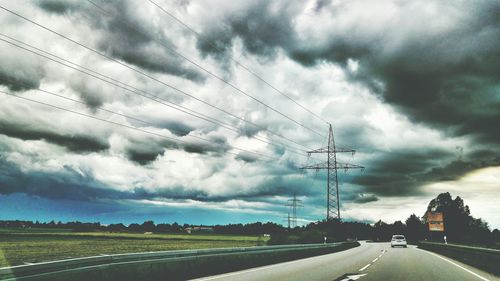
[(370, 261)]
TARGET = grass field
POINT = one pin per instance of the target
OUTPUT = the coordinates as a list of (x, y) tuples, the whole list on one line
[(19, 246)]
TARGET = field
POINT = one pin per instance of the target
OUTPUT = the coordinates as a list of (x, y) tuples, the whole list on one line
[(20, 246)]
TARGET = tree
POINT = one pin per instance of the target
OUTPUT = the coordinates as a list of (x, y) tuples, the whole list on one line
[(148, 226), (415, 229), (134, 227), (117, 227), (459, 225), (398, 228), (381, 230)]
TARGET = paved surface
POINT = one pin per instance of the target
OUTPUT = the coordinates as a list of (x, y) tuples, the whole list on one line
[(370, 261)]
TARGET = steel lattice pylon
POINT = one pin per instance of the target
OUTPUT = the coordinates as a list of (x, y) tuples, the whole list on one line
[(293, 204), (331, 166)]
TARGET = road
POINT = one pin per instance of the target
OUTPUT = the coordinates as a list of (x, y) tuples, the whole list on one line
[(370, 261)]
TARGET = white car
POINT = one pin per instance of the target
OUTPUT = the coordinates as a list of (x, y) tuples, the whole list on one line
[(398, 240)]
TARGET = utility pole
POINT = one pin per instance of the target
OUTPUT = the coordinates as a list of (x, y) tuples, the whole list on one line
[(293, 204), (331, 166), (288, 219)]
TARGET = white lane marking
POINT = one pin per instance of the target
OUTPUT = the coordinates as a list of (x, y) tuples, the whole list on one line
[(365, 267), (376, 259), (457, 265), (353, 277)]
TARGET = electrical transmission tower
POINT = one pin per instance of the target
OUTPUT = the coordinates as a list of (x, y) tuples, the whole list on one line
[(293, 204), (331, 166)]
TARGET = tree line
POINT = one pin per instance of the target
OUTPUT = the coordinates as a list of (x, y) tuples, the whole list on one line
[(460, 227), (256, 228)]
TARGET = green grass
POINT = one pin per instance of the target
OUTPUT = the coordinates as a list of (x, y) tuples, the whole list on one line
[(18, 246)]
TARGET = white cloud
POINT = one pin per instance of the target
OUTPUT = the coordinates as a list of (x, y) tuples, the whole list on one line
[(478, 189)]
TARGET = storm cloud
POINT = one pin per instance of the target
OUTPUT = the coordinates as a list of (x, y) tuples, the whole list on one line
[(125, 35), (413, 86), (444, 75), (75, 143)]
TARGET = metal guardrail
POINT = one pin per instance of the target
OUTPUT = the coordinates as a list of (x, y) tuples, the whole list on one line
[(21, 271), (482, 258)]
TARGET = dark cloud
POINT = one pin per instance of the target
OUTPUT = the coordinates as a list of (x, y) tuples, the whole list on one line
[(248, 130), (176, 193), (402, 173), (216, 145), (262, 27), (459, 167), (449, 81), (320, 4), (72, 142), (19, 72), (126, 36), (200, 148), (137, 43), (365, 198), (16, 82), (144, 151), (93, 94), (279, 184), (176, 127), (446, 80), (432, 80), (275, 185), (57, 6), (65, 184), (398, 173), (145, 155), (246, 157), (81, 186)]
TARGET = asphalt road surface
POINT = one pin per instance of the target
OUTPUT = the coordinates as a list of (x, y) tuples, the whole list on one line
[(370, 261)]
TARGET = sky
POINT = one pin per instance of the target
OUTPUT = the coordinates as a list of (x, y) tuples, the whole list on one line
[(201, 111)]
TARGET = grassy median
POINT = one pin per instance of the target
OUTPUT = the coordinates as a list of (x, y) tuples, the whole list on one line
[(20, 246)]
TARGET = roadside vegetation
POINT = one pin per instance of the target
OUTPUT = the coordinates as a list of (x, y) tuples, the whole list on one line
[(20, 245)]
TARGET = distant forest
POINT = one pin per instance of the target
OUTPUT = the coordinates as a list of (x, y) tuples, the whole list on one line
[(460, 228)]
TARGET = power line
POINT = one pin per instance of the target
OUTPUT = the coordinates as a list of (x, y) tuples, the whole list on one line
[(133, 127), (210, 72), (223, 124), (147, 75), (147, 95), (237, 62), (126, 87)]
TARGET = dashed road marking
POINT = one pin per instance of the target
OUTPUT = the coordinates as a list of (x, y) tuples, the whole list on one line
[(376, 259), (365, 267)]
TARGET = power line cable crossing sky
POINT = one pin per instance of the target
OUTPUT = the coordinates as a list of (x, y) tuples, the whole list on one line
[(134, 90), (202, 112)]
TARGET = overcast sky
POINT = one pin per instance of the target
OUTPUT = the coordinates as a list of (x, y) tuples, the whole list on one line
[(413, 86)]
